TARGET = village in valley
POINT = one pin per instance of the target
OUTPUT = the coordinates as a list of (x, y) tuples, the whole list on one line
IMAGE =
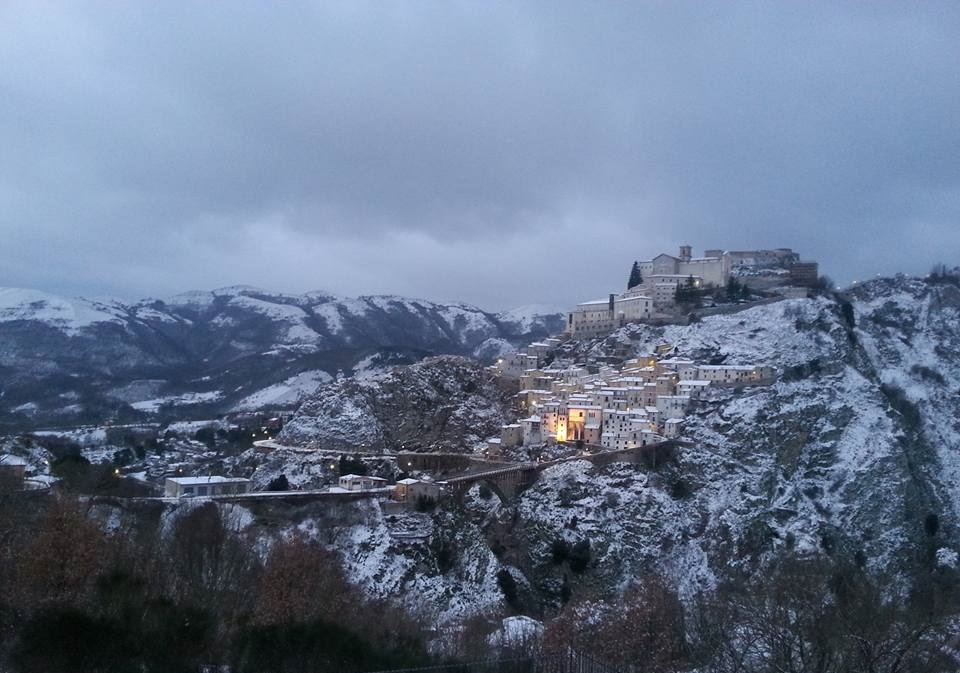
[(565, 405)]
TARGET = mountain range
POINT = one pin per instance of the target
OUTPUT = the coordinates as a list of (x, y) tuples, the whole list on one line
[(65, 361)]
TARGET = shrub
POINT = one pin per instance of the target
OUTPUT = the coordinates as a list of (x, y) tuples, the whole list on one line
[(508, 586), (559, 551), (931, 524), (424, 504), (580, 556), (305, 646), (565, 591), (279, 484)]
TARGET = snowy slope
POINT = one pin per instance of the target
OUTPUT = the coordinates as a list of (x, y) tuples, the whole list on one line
[(848, 454), (247, 345), (70, 315), (442, 402), (828, 460)]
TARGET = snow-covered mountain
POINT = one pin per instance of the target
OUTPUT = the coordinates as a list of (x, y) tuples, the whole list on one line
[(854, 453), (70, 360)]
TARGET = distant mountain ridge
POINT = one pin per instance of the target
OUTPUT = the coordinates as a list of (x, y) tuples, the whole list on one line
[(65, 360)]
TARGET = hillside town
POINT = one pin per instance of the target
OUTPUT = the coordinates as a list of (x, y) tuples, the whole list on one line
[(614, 405), (641, 402)]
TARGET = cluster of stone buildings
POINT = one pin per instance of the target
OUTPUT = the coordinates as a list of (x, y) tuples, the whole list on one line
[(642, 402), (662, 275), (514, 365)]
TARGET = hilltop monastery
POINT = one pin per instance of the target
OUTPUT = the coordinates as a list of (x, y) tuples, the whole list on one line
[(662, 275)]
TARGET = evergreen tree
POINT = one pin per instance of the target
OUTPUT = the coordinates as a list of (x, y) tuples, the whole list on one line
[(687, 293), (635, 277), (736, 289)]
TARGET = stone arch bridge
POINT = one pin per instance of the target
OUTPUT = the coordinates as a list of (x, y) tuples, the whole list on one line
[(510, 480)]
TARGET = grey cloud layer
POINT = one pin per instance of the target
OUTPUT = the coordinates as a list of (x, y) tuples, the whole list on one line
[(496, 153)]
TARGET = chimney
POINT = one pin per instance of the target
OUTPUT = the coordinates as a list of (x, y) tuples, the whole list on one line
[(611, 303)]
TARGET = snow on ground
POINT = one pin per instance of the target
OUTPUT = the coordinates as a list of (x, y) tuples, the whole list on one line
[(292, 316), (67, 314), (493, 348), (185, 400), (761, 335), (385, 567), (369, 367), (87, 436), (331, 316), (190, 427), (468, 321), (515, 632), (527, 316), (288, 392)]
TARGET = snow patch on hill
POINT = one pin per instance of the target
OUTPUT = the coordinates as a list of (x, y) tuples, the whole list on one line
[(69, 315), (288, 392), (528, 316), (185, 400)]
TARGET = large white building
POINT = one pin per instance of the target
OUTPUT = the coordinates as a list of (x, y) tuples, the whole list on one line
[(661, 276), (711, 270), (592, 318)]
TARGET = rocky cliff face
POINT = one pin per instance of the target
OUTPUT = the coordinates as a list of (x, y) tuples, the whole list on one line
[(441, 403), (75, 360), (853, 453)]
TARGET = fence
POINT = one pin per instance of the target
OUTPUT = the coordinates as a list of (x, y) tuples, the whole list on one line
[(567, 662)]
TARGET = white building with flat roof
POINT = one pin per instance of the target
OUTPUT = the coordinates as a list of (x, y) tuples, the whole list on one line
[(360, 482), (179, 487)]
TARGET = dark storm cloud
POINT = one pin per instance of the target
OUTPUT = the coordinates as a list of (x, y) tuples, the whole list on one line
[(497, 153)]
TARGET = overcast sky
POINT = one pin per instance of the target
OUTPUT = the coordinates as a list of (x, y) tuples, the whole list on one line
[(499, 154)]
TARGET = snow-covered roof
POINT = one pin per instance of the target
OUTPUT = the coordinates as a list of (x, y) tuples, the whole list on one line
[(409, 481), (360, 477), (730, 367), (194, 481), (9, 459)]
